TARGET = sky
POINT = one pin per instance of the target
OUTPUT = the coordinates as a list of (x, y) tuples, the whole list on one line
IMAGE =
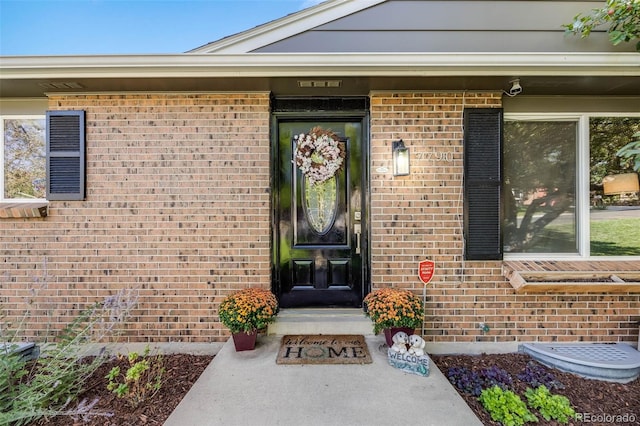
[(94, 27)]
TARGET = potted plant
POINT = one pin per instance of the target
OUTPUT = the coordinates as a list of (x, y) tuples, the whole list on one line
[(393, 310), (247, 311)]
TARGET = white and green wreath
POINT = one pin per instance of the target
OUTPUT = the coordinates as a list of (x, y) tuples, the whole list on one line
[(319, 155)]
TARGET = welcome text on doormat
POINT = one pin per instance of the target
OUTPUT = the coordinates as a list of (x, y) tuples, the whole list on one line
[(323, 349)]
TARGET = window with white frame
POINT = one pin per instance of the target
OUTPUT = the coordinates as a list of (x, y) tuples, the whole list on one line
[(23, 167), (567, 189)]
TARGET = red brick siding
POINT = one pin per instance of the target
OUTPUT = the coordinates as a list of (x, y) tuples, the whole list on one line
[(420, 216), (177, 208)]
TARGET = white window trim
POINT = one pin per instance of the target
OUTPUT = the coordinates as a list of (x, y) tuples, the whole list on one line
[(2, 120), (582, 185), (583, 206)]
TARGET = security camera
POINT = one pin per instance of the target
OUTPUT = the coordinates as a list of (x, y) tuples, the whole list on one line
[(515, 87)]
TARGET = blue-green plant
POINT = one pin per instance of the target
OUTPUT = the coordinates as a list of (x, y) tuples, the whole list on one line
[(550, 406), (506, 407)]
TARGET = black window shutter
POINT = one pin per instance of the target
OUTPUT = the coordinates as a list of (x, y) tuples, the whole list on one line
[(65, 155), (482, 183)]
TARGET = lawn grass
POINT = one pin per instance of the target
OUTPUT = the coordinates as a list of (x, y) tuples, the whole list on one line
[(617, 237)]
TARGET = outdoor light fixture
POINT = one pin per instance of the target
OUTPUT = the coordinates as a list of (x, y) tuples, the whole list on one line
[(400, 158)]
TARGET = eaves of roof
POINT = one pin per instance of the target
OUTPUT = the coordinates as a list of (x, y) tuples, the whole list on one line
[(319, 65), (287, 26)]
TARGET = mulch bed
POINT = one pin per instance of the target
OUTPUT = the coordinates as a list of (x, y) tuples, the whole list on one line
[(587, 396), (181, 373), (595, 397)]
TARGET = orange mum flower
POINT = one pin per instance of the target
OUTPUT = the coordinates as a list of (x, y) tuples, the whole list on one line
[(249, 309), (392, 307)]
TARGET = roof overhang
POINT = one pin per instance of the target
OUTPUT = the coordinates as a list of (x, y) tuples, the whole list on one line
[(22, 75), (326, 64), (286, 26)]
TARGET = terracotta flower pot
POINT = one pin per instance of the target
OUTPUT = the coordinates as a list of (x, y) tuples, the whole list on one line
[(245, 341), (390, 332)]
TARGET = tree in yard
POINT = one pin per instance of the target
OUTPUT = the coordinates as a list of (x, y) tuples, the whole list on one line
[(631, 152), (24, 158), (621, 16), (611, 146), (623, 20), (539, 174)]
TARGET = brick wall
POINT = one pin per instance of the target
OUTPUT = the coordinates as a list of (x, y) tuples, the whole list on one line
[(177, 212), (420, 216)]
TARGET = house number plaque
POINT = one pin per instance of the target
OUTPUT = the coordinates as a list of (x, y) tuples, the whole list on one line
[(444, 156)]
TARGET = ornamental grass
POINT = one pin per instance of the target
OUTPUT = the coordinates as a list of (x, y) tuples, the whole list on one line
[(249, 309), (392, 307)]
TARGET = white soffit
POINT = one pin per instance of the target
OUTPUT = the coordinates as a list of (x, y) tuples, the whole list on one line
[(319, 65), (287, 26)]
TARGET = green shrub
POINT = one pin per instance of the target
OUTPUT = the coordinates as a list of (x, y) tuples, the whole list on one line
[(142, 380), (12, 370), (556, 407), (41, 388), (50, 385), (506, 407)]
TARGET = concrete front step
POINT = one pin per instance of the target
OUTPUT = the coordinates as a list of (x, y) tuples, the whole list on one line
[(249, 388), (321, 321)]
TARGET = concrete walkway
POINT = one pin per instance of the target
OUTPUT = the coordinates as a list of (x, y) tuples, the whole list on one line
[(249, 388)]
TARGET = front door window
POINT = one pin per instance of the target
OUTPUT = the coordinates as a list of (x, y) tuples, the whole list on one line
[(320, 202)]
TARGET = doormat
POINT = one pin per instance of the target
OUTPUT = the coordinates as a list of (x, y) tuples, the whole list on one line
[(323, 349)]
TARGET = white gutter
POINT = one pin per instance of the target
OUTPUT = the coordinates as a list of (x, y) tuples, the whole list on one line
[(319, 65)]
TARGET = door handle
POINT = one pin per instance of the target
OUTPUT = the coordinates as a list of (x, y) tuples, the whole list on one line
[(357, 230)]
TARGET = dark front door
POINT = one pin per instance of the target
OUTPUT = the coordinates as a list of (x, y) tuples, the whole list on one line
[(320, 225)]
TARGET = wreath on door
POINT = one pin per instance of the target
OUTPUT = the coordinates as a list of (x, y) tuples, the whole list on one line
[(319, 155)]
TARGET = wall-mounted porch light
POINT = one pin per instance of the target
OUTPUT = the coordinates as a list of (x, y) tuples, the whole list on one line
[(400, 158)]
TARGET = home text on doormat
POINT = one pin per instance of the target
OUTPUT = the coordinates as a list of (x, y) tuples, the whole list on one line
[(323, 349)]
